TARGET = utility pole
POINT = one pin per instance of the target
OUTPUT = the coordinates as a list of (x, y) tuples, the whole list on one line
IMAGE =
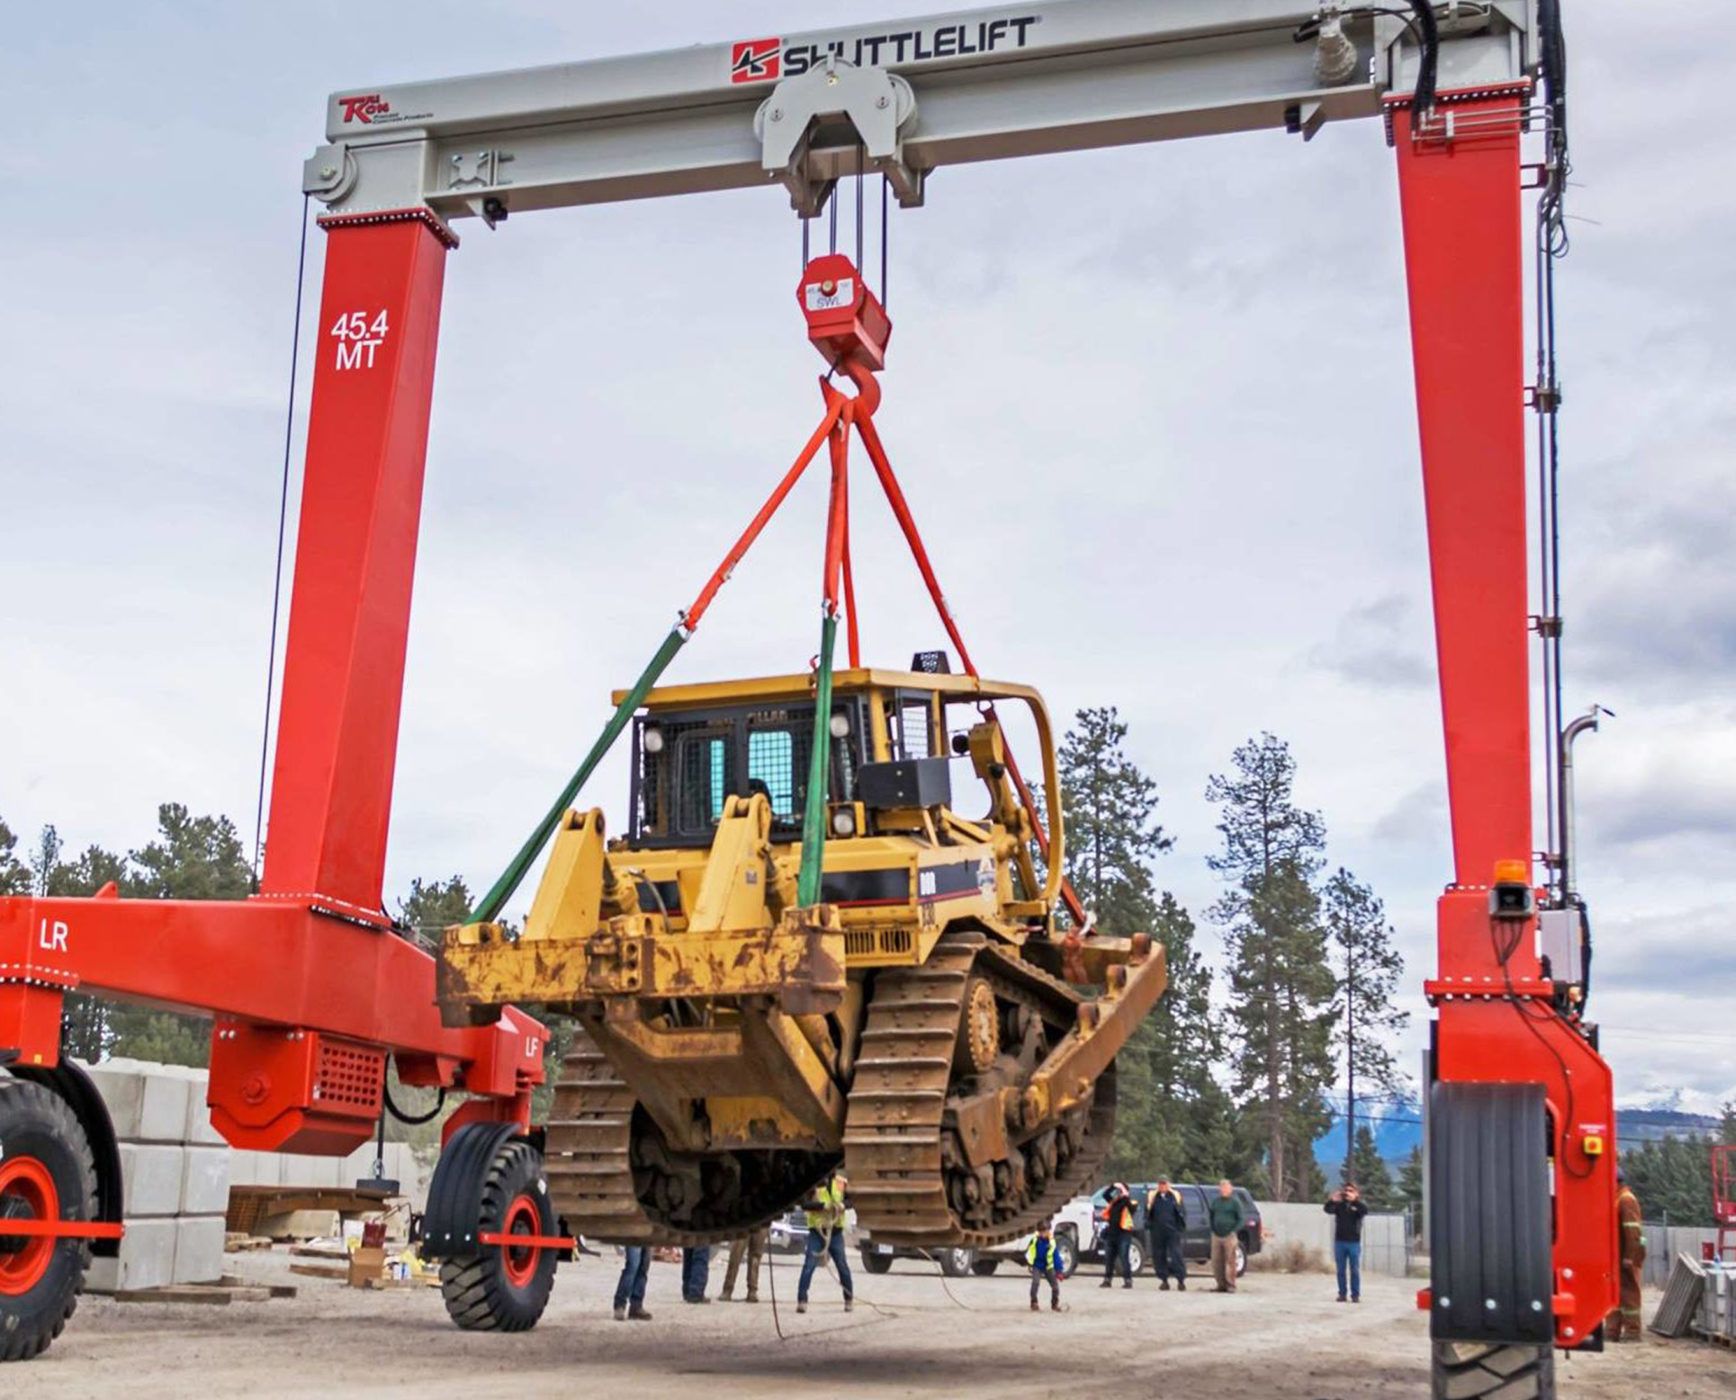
[(1349, 1067)]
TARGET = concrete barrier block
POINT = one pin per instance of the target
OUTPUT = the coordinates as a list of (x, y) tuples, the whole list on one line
[(198, 1249), (198, 1129), (304, 1169), (205, 1181), (145, 1102), (146, 1259), (123, 1093), (249, 1168), (151, 1176)]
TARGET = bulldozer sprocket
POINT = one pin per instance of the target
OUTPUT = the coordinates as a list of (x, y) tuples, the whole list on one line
[(895, 1131), (607, 1180)]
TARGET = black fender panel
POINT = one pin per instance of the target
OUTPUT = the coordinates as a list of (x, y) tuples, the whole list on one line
[(454, 1215), (1490, 1214), (72, 1084)]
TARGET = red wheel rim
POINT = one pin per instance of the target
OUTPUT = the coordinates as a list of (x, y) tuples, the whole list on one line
[(26, 1179), (522, 1218)]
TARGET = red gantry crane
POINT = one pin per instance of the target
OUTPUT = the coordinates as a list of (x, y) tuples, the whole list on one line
[(311, 986)]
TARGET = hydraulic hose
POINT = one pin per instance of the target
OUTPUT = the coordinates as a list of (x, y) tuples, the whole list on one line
[(502, 890)]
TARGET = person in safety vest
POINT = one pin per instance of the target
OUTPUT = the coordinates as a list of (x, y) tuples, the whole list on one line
[(1625, 1324), (1045, 1261), (826, 1211), (1119, 1225)]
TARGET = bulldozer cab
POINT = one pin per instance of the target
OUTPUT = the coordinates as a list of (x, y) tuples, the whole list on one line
[(896, 741)]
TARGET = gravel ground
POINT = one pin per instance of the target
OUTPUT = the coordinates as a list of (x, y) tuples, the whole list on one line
[(911, 1334)]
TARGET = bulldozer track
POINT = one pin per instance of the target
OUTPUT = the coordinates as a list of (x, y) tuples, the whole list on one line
[(895, 1124), (599, 1176)]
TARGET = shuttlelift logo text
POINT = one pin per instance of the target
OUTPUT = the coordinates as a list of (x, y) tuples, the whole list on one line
[(756, 60), (365, 108)]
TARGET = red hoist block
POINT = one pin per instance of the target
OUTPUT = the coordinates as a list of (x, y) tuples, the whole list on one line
[(846, 322), (286, 1089)]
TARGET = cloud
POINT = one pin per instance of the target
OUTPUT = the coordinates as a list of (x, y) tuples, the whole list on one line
[(1419, 817), (1375, 645), (1153, 405)]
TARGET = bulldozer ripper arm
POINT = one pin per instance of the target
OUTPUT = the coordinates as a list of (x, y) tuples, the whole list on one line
[(1065, 1078)]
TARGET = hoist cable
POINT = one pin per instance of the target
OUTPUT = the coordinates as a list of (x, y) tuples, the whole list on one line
[(885, 191), (808, 880), (907, 523), (282, 519)]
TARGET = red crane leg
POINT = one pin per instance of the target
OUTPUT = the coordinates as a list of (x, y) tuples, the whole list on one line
[(343, 674), (1463, 232), (1463, 245)]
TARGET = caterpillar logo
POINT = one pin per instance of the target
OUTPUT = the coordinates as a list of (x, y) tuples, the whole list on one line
[(756, 60)]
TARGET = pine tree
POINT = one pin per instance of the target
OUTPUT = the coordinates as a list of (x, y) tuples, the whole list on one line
[(192, 858), (1673, 1179), (88, 1030), (433, 906), (1112, 832), (1368, 971), (1368, 1169), (14, 875), (1410, 1187), (1172, 1116), (1281, 984)]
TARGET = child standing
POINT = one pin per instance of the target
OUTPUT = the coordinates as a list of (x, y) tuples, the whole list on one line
[(1045, 1262)]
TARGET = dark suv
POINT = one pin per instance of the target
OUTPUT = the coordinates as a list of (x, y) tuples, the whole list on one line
[(1197, 1243)]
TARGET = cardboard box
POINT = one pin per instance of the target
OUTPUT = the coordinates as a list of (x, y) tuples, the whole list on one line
[(367, 1266)]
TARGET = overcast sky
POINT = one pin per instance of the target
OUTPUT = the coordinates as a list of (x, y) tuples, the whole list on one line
[(1154, 406)]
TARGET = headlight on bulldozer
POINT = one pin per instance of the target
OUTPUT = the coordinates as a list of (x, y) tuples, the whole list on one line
[(844, 822)]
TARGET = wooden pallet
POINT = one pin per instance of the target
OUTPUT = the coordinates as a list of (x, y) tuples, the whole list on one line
[(248, 1205), (341, 1272), (220, 1294)]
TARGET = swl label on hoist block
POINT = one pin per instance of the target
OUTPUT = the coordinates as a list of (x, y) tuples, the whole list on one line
[(843, 293)]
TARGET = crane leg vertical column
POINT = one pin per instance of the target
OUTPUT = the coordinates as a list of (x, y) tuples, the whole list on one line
[(1511, 1069), (343, 674), (1463, 263)]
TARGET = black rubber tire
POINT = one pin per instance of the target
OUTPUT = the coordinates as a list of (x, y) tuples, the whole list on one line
[(955, 1262), (1475, 1370), (874, 1261), (982, 1268), (480, 1294), (1136, 1259), (36, 1122), (1241, 1259)]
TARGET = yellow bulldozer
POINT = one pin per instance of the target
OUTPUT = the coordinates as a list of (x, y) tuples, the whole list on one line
[(923, 1022)]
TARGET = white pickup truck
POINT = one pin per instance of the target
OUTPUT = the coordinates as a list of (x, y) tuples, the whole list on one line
[(957, 1262)]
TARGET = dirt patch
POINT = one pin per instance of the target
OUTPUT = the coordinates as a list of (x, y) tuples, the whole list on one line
[(912, 1333)]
